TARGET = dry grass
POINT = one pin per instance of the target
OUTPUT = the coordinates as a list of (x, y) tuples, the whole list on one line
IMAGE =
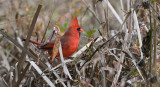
[(120, 45)]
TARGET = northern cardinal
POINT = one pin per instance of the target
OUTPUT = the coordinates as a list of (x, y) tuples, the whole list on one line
[(69, 41)]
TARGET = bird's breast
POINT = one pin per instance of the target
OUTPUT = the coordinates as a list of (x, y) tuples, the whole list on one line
[(70, 47)]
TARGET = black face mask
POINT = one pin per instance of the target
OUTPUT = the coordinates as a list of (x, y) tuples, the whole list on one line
[(78, 29)]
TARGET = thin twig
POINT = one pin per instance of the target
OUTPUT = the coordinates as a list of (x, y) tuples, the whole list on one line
[(155, 40), (150, 59), (98, 48)]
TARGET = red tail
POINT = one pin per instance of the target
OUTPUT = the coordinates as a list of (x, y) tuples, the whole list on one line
[(34, 42)]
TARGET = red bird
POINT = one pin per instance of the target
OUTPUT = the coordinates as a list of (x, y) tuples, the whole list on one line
[(69, 41)]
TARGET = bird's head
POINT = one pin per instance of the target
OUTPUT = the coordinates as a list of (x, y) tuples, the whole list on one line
[(74, 26)]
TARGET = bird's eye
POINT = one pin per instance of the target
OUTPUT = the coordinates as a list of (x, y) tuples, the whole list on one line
[(78, 29)]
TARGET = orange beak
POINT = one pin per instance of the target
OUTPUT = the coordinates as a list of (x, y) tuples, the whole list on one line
[(81, 30)]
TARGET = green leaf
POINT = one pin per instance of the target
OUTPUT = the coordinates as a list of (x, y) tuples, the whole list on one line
[(65, 24), (154, 0), (89, 50), (134, 73), (91, 32), (61, 28), (137, 43), (9, 46)]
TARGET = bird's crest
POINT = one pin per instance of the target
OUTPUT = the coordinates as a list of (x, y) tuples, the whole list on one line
[(74, 22)]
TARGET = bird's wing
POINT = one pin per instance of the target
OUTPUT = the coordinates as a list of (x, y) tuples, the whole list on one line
[(47, 46)]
